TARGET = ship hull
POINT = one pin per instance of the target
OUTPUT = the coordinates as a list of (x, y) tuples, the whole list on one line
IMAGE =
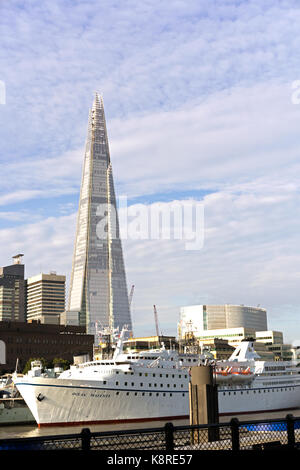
[(70, 402), (12, 414)]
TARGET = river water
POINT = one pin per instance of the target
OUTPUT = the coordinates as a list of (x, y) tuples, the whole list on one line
[(32, 430)]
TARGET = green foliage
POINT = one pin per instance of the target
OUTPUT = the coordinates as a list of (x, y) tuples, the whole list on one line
[(61, 363), (47, 364), (28, 363)]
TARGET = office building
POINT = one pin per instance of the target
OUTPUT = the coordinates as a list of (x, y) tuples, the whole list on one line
[(200, 318), (24, 341), (12, 291), (45, 298)]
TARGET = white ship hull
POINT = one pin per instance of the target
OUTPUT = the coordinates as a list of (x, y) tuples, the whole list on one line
[(65, 403), (154, 385), (86, 403)]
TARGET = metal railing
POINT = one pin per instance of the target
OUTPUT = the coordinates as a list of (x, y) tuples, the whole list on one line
[(233, 436)]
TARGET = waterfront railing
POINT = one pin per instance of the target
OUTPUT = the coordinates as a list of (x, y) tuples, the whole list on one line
[(232, 436)]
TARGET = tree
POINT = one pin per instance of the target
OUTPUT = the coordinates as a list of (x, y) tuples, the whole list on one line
[(58, 362), (28, 363)]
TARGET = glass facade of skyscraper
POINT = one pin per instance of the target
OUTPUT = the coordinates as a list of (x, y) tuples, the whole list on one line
[(98, 289)]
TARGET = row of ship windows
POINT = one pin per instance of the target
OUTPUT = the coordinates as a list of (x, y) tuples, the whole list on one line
[(179, 376), (150, 394), (154, 375), (154, 358), (260, 391), (141, 384)]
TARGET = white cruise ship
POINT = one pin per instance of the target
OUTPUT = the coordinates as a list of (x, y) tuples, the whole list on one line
[(154, 385)]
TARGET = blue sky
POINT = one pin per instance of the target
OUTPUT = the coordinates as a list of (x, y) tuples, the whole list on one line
[(197, 97)]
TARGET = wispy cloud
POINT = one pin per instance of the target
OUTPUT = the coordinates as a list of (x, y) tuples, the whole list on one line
[(197, 98)]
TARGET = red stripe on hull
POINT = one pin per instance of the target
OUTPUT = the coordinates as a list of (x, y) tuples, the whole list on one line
[(114, 421)]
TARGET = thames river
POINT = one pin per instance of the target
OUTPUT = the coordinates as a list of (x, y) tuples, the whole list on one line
[(32, 430)]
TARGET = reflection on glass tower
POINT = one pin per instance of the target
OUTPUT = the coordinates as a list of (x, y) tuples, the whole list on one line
[(98, 289)]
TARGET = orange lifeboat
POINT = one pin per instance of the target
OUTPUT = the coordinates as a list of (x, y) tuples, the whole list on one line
[(242, 375), (223, 375)]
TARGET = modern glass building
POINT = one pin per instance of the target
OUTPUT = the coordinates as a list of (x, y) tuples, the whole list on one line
[(98, 290), (200, 318)]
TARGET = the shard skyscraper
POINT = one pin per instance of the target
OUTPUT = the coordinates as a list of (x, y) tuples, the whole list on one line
[(98, 291)]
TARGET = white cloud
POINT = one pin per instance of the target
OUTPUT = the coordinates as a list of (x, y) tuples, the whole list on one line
[(197, 96), (249, 256), (230, 138)]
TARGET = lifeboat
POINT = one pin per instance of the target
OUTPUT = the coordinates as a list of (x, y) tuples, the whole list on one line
[(222, 376), (242, 376)]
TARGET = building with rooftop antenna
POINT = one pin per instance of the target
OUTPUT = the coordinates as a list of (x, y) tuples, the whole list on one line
[(12, 291), (98, 289)]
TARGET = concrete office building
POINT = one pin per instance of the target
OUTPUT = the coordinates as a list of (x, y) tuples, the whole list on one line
[(273, 340), (98, 295), (45, 298), (12, 291)]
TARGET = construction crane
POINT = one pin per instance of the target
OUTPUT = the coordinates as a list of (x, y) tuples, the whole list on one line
[(156, 321), (130, 295)]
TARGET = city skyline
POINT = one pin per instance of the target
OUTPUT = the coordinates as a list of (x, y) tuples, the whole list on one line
[(200, 106)]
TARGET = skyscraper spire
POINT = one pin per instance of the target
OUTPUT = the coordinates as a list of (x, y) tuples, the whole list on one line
[(98, 290)]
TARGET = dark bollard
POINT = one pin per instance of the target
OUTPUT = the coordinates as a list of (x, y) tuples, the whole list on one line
[(169, 436), (85, 439), (235, 435), (290, 430)]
